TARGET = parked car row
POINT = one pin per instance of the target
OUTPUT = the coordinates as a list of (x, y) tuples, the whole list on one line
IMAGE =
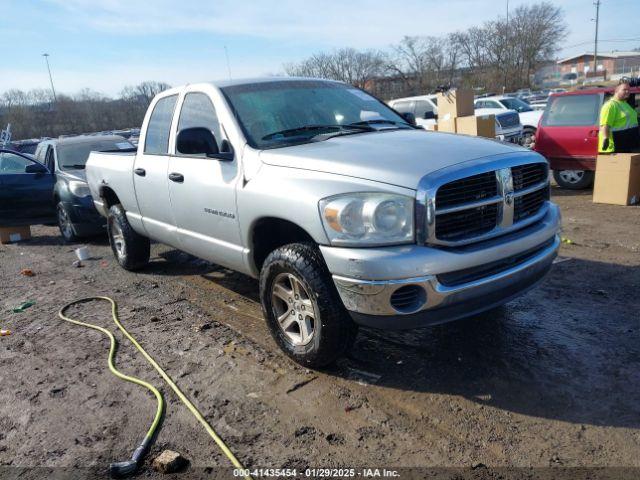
[(425, 110)]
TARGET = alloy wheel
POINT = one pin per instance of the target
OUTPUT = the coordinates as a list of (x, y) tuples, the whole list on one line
[(293, 308)]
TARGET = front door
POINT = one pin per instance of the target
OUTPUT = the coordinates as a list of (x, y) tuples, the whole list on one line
[(150, 174), (203, 191), (25, 198)]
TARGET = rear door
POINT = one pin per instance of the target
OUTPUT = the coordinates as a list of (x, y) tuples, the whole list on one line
[(570, 127), (150, 175), (25, 198)]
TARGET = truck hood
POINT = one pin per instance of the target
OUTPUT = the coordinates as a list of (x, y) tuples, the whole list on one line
[(77, 175), (397, 157)]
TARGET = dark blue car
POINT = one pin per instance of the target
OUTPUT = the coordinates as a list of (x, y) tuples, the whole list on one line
[(25, 191)]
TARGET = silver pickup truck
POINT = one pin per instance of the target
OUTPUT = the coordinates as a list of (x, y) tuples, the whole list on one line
[(346, 212)]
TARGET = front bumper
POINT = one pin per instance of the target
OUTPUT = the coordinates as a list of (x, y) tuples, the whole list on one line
[(497, 271), (85, 218)]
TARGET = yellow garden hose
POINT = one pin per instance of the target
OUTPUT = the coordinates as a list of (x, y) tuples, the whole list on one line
[(129, 467)]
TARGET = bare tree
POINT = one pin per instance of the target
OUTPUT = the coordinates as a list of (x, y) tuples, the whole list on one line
[(348, 65)]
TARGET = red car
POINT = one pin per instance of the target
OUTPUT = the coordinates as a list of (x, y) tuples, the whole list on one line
[(568, 134)]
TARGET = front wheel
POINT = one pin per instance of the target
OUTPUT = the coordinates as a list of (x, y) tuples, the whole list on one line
[(573, 179), (131, 249), (303, 310), (65, 225)]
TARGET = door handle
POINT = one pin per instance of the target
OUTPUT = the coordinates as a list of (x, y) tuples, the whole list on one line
[(140, 172), (176, 177)]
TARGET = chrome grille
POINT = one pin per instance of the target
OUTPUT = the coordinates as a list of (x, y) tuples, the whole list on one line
[(507, 120), (470, 189), (486, 204), (525, 176), (529, 204), (466, 223)]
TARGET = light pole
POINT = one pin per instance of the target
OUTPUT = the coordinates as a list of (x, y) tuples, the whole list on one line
[(46, 58)]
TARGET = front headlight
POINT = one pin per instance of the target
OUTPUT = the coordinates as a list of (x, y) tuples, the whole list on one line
[(368, 219), (79, 189)]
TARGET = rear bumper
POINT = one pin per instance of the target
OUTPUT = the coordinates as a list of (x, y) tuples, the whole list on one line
[(453, 283)]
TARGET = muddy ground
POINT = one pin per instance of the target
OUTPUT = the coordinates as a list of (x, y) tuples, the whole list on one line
[(551, 380)]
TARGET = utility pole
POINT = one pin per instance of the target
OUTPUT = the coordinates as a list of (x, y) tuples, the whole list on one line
[(506, 64), (595, 50), (46, 58)]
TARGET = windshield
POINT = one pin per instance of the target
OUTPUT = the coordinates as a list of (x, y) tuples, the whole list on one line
[(516, 104), (283, 113), (74, 155)]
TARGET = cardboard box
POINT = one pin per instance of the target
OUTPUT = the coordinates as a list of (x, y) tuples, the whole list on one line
[(447, 125), (14, 234), (617, 179), (482, 126), (432, 127), (455, 103)]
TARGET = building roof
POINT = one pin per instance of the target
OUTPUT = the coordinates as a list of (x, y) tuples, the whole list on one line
[(601, 55)]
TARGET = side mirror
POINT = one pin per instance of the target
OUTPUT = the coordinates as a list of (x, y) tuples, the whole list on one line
[(200, 141), (409, 117), (35, 168), (429, 115)]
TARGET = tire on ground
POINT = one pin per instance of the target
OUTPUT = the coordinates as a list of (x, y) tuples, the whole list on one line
[(585, 182), (136, 247), (66, 230), (334, 331)]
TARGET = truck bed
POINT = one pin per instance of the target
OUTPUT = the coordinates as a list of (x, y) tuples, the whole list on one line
[(112, 170)]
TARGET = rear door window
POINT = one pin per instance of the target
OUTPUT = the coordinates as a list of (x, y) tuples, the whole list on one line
[(157, 138), (572, 111)]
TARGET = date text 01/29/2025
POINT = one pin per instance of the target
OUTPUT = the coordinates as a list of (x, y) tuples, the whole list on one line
[(318, 472)]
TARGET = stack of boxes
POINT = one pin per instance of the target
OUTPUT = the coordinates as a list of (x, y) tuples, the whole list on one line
[(456, 115)]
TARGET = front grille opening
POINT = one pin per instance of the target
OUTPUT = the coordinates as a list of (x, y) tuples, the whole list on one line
[(466, 223), (466, 190), (529, 204), (460, 277), (525, 176), (408, 299)]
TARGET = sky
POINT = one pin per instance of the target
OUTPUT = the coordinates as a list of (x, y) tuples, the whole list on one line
[(105, 45)]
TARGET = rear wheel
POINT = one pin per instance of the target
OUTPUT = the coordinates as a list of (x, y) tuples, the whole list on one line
[(65, 225), (573, 179), (131, 249), (304, 312)]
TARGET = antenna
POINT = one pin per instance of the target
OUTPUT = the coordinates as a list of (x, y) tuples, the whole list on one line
[(226, 53)]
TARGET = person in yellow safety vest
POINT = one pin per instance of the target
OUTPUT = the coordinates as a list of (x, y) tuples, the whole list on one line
[(618, 123)]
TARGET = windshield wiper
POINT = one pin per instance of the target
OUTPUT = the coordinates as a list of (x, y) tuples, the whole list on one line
[(379, 121), (313, 128), (76, 166)]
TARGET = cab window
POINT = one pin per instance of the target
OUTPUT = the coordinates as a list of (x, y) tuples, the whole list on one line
[(157, 137), (422, 107), (198, 111)]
